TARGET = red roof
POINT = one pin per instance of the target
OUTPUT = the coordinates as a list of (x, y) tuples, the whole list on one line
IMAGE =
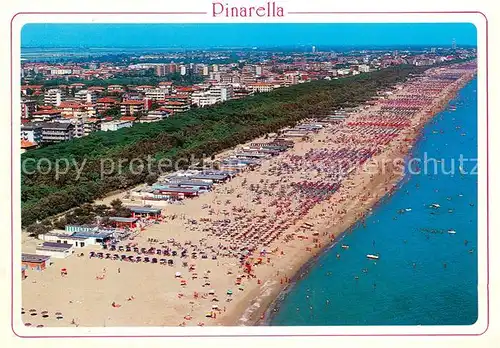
[(174, 103), (185, 89), (31, 87), (25, 144), (107, 100), (132, 102), (128, 118), (71, 105), (47, 112)]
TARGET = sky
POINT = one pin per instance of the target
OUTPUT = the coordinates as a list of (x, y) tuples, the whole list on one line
[(245, 35)]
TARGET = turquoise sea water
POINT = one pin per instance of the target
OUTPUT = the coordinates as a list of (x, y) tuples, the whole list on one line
[(425, 275)]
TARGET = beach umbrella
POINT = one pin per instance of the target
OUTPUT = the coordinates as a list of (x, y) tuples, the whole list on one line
[(229, 292)]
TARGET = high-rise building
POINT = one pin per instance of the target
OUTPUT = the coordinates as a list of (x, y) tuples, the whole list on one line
[(85, 97), (53, 97), (160, 70), (453, 44), (314, 49)]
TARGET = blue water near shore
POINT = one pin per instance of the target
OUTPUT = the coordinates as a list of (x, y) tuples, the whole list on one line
[(422, 277)]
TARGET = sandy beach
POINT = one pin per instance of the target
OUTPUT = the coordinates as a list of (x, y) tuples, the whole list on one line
[(287, 210)]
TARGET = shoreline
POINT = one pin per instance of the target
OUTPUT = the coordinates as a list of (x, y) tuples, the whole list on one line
[(264, 315)]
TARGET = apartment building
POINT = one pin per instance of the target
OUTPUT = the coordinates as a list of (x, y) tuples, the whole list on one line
[(156, 93), (54, 132), (115, 125), (91, 125), (28, 107), (46, 115), (261, 87), (31, 132), (85, 96), (131, 107), (53, 97), (105, 103), (173, 107), (222, 91), (204, 98), (78, 126)]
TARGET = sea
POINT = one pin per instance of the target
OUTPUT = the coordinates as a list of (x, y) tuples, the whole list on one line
[(426, 273)]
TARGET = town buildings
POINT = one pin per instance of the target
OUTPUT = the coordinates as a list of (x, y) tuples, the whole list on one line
[(173, 82)]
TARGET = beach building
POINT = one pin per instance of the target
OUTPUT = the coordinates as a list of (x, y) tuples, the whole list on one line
[(92, 234), (145, 212), (167, 193), (183, 183), (64, 239), (56, 250), (252, 154), (215, 178), (124, 222), (34, 262)]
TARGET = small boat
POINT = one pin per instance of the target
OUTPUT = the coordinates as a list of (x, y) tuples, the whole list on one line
[(345, 246), (435, 205), (373, 257), (452, 231), (408, 209)]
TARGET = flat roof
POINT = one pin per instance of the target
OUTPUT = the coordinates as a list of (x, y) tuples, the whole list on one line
[(123, 219), (137, 209), (91, 234), (188, 182), (209, 176), (56, 245), (64, 236), (176, 189), (34, 258)]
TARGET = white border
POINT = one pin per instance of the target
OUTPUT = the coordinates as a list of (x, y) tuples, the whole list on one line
[(478, 328)]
